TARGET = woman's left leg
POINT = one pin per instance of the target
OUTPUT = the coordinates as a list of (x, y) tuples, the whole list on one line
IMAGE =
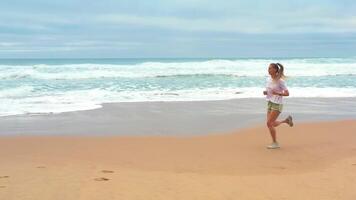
[(271, 123)]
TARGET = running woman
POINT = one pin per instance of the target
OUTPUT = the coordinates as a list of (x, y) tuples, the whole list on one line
[(275, 91)]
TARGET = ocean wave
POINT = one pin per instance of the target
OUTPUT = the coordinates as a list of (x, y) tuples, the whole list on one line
[(94, 74), (247, 67)]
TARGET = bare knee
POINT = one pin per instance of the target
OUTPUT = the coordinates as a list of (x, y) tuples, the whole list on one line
[(270, 124)]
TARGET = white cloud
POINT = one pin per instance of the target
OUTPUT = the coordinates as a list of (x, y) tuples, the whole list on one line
[(33, 46), (10, 44), (280, 24)]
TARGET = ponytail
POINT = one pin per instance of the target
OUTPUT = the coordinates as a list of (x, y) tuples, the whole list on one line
[(280, 70)]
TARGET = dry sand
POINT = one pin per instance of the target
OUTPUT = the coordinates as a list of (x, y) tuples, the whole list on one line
[(316, 161)]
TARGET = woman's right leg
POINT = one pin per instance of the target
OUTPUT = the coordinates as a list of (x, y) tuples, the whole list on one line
[(277, 123)]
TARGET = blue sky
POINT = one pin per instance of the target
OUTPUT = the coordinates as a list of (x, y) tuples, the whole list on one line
[(177, 28)]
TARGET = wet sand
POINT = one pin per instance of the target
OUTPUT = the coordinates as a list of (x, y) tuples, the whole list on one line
[(175, 118)]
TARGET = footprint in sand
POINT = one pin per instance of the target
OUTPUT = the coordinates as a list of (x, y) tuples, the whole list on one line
[(107, 171), (41, 167), (4, 176), (282, 168), (101, 179)]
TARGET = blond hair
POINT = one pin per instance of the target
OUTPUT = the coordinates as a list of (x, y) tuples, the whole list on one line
[(279, 69)]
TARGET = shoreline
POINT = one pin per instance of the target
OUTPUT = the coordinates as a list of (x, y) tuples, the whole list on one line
[(175, 118)]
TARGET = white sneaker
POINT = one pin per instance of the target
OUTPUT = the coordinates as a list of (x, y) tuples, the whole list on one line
[(274, 145)]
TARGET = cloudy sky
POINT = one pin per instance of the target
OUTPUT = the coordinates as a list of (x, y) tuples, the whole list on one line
[(177, 28)]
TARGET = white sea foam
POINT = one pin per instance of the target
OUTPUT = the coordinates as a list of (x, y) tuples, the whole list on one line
[(252, 67), (56, 88), (17, 92), (92, 99)]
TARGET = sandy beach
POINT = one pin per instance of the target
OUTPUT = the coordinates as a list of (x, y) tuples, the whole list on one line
[(317, 159)]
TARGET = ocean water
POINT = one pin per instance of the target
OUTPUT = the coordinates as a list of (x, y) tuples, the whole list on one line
[(33, 86)]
